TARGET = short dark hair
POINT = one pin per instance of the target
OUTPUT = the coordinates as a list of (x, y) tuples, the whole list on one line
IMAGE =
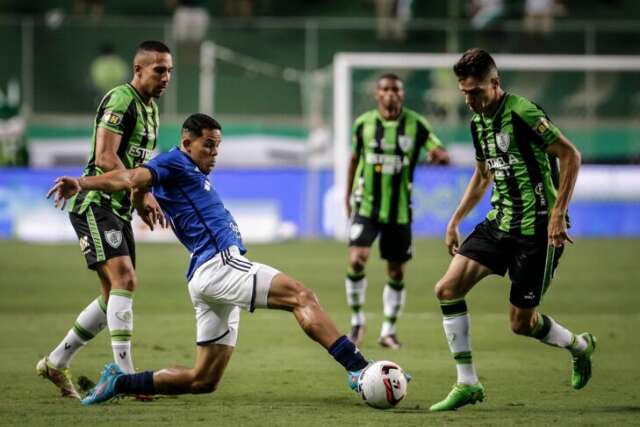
[(476, 63), (390, 76), (153, 46), (195, 123)]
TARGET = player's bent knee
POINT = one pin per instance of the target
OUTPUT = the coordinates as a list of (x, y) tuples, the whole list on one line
[(127, 281), (357, 263), (444, 290)]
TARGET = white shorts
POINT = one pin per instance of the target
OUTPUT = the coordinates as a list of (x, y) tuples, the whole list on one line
[(218, 289)]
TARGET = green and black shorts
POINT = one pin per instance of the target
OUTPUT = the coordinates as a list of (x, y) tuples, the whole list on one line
[(530, 260), (103, 235)]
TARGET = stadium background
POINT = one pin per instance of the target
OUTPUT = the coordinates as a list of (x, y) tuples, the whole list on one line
[(272, 91)]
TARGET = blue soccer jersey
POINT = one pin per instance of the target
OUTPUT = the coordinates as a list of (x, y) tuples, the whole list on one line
[(196, 212)]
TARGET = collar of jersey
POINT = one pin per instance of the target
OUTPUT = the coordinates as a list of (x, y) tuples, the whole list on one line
[(137, 95), (498, 110)]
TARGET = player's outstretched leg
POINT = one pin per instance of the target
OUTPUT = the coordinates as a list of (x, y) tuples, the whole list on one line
[(550, 332), (204, 377), (55, 366), (288, 294)]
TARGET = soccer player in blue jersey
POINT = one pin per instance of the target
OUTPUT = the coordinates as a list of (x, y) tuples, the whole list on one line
[(221, 280)]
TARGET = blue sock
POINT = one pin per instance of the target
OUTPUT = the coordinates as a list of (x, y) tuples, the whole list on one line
[(141, 383), (347, 354)]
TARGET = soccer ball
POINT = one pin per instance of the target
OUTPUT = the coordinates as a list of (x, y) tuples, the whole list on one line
[(382, 384)]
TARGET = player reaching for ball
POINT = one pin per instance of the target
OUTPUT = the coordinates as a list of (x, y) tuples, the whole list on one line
[(220, 279)]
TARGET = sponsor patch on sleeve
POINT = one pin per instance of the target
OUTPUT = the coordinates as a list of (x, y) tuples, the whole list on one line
[(542, 126), (112, 118)]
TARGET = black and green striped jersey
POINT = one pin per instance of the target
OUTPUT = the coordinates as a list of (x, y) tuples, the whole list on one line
[(388, 151), (513, 143), (121, 111)]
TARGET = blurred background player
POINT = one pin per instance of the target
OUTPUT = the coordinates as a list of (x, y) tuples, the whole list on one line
[(517, 148), (387, 144), (221, 279), (125, 132)]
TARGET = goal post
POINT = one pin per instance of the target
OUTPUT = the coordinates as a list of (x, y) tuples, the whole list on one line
[(346, 62)]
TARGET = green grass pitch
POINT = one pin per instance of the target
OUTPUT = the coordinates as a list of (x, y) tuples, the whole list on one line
[(278, 376)]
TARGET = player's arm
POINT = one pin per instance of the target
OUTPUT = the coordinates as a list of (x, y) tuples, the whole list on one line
[(148, 208), (107, 159), (66, 187), (437, 154), (480, 181), (353, 165), (357, 143), (570, 160), (107, 144)]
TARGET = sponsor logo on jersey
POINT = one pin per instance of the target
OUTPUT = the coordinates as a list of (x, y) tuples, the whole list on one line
[(502, 163), (405, 143), (112, 118), (386, 163), (542, 126), (539, 190), (113, 238), (139, 153), (502, 141)]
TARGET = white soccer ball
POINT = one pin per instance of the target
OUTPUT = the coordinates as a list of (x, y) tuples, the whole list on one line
[(382, 384)]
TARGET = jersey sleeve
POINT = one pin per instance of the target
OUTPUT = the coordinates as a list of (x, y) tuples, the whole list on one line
[(476, 143), (163, 168), (545, 131), (432, 141), (114, 112), (357, 138)]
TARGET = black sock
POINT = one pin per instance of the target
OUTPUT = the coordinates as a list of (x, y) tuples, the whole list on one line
[(347, 354), (141, 383)]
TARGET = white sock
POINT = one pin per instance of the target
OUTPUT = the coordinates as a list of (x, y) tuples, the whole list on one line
[(88, 324), (120, 320), (393, 301), (358, 318), (456, 324), (356, 291), (559, 336)]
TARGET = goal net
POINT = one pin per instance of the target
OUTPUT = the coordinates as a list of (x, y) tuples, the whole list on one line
[(595, 99)]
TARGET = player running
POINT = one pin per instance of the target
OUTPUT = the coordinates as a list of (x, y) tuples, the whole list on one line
[(124, 137), (221, 280), (387, 144), (517, 148)]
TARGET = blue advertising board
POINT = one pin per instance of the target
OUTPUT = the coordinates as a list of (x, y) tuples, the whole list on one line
[(297, 195)]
